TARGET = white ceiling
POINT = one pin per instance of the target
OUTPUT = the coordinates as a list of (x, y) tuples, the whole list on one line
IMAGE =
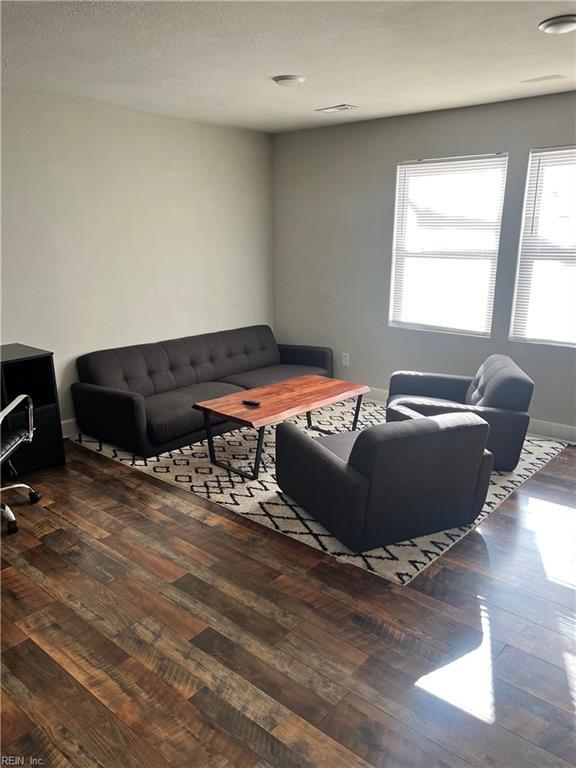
[(212, 61)]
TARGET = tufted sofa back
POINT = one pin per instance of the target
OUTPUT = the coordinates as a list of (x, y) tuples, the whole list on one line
[(500, 383), (165, 365)]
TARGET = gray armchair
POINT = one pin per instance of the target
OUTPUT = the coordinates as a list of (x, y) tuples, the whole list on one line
[(389, 483), (500, 393)]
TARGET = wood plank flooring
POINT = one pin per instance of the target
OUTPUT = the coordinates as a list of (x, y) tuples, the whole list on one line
[(143, 627)]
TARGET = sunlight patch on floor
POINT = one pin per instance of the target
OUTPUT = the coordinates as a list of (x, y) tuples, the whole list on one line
[(555, 538), (570, 667), (466, 683)]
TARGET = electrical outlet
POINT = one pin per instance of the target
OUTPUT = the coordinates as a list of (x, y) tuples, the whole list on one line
[(345, 360)]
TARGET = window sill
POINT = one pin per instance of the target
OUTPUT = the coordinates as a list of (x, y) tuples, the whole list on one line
[(436, 329), (542, 342)]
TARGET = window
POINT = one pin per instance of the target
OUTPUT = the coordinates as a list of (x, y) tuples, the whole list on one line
[(545, 298), (446, 238)]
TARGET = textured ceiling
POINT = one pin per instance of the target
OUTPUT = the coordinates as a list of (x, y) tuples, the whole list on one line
[(212, 61)]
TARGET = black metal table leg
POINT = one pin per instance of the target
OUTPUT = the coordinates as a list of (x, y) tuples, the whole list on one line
[(357, 413), (223, 464), (209, 437), (310, 425), (259, 446)]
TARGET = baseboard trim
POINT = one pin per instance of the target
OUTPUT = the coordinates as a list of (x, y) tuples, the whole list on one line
[(564, 432), (69, 428), (377, 395)]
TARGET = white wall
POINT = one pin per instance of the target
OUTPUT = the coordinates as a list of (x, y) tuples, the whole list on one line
[(334, 216), (121, 227)]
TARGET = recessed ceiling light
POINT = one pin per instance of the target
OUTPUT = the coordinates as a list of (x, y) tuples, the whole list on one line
[(559, 25), (542, 78), (337, 108), (289, 80)]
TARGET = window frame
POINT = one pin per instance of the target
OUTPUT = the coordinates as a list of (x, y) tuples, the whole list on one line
[(511, 337), (393, 323)]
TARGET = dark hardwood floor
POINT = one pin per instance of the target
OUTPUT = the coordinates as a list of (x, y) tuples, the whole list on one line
[(142, 627)]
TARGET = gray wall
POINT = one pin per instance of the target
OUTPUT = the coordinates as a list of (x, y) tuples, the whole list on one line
[(334, 217), (121, 227)]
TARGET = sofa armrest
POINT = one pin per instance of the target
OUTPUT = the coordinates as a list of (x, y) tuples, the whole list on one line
[(444, 385), (114, 415), (326, 486), (300, 354)]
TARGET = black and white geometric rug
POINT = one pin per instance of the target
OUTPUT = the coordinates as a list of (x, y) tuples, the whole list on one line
[(261, 500)]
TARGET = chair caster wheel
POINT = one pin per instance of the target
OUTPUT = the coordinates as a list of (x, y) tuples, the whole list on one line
[(34, 496), (12, 526)]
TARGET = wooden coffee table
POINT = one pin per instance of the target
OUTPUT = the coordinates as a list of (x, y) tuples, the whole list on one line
[(278, 402)]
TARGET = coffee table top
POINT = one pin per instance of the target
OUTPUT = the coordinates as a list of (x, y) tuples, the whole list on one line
[(283, 400)]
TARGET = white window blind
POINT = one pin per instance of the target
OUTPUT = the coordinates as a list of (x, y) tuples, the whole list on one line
[(545, 298), (446, 239)]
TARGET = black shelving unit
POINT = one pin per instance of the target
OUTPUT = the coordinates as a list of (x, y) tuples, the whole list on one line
[(30, 371)]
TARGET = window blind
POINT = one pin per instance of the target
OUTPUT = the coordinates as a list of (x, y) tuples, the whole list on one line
[(545, 296), (446, 239)]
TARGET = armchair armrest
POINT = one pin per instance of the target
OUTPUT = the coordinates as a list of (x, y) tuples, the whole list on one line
[(507, 428), (113, 415), (399, 412), (300, 354), (326, 486), (442, 385), (426, 407)]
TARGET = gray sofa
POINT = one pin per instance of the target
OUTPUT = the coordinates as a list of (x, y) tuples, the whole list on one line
[(411, 477), (500, 393), (141, 398)]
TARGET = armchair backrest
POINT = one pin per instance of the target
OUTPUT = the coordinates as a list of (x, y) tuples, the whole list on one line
[(419, 468), (500, 383)]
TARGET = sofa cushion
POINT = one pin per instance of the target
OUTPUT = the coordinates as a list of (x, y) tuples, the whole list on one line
[(150, 369), (260, 377), (500, 383), (171, 414)]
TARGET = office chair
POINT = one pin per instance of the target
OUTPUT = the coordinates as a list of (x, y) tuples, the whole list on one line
[(11, 439)]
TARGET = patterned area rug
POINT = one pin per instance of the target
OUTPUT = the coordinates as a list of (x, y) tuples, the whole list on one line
[(261, 500)]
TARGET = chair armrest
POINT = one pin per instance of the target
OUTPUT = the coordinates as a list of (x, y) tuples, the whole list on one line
[(507, 428), (443, 385), (383, 446), (114, 415), (427, 407), (326, 486), (300, 354), (29, 413), (399, 412)]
